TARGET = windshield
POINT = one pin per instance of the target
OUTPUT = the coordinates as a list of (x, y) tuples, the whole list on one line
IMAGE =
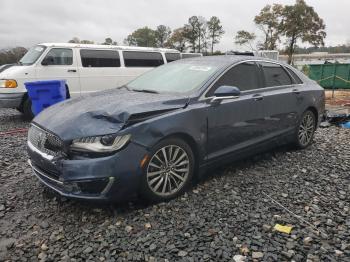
[(32, 55), (174, 78)]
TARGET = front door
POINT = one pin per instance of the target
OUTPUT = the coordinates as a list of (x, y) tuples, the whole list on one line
[(236, 123), (60, 64)]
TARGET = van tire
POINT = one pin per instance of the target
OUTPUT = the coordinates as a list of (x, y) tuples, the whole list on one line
[(27, 109)]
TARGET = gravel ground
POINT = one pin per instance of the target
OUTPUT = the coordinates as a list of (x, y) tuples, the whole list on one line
[(228, 217)]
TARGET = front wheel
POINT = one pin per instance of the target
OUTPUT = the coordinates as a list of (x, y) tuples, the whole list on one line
[(169, 170), (305, 130), (27, 109)]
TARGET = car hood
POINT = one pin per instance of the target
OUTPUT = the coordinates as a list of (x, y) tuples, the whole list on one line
[(105, 112)]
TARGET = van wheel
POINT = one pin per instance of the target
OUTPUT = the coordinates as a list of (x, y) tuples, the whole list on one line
[(27, 109), (169, 170)]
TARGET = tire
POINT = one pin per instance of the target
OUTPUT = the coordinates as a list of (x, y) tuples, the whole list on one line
[(27, 109), (167, 176), (305, 130)]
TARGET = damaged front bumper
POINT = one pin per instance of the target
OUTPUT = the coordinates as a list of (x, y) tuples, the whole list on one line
[(112, 178)]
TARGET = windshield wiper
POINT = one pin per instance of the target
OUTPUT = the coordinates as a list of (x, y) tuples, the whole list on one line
[(126, 87), (146, 91)]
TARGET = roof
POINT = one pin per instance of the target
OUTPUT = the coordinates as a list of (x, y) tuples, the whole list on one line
[(75, 45), (227, 59)]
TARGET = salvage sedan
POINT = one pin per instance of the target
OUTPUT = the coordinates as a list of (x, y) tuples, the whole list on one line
[(153, 136)]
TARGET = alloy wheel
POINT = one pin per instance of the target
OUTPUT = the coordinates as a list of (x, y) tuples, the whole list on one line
[(306, 129), (168, 170)]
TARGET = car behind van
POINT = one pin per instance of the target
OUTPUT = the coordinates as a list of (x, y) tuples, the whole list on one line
[(86, 68)]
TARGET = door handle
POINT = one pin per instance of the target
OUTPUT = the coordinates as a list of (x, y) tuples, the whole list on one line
[(296, 91), (258, 97), (71, 71)]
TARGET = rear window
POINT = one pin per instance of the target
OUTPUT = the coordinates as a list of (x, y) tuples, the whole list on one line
[(99, 58), (296, 78), (172, 57), (275, 75), (142, 59)]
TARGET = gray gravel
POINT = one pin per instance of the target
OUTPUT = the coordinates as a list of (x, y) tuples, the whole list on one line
[(228, 217)]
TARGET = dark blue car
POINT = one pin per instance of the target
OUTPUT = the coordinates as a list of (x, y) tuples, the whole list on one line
[(152, 136)]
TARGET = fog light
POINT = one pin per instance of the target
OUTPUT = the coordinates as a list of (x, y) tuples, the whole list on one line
[(71, 187)]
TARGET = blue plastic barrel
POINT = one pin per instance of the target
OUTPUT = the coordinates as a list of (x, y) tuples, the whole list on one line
[(45, 93)]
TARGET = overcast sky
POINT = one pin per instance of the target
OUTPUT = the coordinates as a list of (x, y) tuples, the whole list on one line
[(27, 22)]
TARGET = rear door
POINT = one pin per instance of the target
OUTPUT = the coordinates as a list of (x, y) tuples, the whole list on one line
[(281, 99), (236, 123), (60, 64), (99, 69)]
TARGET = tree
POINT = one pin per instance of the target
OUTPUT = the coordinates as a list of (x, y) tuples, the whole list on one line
[(86, 42), (300, 22), (245, 38), (13, 55), (142, 37), (215, 31), (202, 31), (162, 34), (75, 40), (109, 41), (177, 40), (268, 21), (191, 32)]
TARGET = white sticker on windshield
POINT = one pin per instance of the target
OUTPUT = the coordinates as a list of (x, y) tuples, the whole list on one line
[(200, 68), (39, 48)]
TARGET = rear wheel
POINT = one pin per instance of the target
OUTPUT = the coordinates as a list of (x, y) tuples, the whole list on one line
[(306, 130), (169, 170)]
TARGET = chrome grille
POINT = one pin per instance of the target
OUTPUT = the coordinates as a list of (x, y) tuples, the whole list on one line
[(44, 141)]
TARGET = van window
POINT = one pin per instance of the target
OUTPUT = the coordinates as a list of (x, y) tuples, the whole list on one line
[(142, 59), (99, 58), (245, 76), (275, 75), (32, 55), (297, 79), (172, 57), (59, 56)]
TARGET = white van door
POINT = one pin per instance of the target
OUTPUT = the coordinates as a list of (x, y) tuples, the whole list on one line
[(60, 64), (98, 69)]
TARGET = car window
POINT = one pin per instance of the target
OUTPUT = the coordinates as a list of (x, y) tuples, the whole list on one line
[(142, 59), (245, 76), (275, 75), (297, 79), (59, 56), (172, 57), (99, 58)]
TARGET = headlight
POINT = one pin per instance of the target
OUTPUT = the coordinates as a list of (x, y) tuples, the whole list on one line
[(100, 144), (8, 83)]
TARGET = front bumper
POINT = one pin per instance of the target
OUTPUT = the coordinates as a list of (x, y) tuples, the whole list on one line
[(11, 100), (111, 178)]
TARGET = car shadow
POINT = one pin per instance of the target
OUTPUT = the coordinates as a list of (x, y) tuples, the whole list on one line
[(135, 204)]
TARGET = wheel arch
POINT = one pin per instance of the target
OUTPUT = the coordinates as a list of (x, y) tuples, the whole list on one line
[(314, 111), (193, 145)]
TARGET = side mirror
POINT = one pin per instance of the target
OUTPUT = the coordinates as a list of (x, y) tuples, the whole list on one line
[(48, 61), (226, 92)]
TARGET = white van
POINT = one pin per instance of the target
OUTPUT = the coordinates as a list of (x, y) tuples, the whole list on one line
[(86, 68)]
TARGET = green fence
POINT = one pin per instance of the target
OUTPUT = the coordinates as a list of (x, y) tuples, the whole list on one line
[(331, 76)]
